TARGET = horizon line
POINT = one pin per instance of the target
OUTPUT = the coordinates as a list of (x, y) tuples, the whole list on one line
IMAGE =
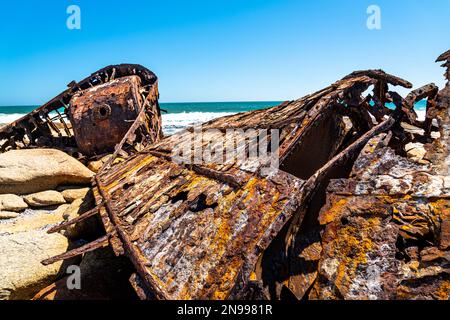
[(239, 101)]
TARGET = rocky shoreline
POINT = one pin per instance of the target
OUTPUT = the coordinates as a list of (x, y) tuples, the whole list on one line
[(45, 188)]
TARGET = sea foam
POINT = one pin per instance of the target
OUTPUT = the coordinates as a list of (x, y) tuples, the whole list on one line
[(6, 118), (173, 122)]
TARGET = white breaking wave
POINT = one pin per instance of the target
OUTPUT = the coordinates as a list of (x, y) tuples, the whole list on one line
[(174, 122), (421, 115), (6, 118)]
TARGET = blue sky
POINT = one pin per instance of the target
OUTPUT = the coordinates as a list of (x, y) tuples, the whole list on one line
[(218, 50)]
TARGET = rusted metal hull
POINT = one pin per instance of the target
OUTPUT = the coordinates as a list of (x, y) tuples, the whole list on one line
[(346, 215), (387, 225), (213, 234), (51, 126), (200, 231), (102, 115)]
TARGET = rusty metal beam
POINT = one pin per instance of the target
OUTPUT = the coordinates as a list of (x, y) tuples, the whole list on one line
[(79, 218), (94, 245)]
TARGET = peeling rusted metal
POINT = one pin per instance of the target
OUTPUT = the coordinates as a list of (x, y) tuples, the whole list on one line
[(53, 124), (386, 227), (226, 230), (199, 231)]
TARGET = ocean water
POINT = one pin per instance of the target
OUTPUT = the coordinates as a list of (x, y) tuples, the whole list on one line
[(182, 115)]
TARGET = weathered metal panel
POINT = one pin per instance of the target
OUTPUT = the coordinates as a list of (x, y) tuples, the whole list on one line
[(199, 230), (193, 236), (102, 115), (387, 227)]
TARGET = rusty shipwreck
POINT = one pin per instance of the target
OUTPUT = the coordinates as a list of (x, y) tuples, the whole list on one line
[(348, 215), (93, 115)]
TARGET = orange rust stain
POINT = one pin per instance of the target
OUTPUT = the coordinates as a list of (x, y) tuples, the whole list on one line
[(443, 292), (334, 211)]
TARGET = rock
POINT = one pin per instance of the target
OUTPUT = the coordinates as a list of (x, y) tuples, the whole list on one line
[(45, 199), (97, 164), (70, 194), (61, 209), (415, 151), (11, 202), (31, 220), (103, 277), (24, 242), (78, 207), (34, 170), (8, 215), (22, 273)]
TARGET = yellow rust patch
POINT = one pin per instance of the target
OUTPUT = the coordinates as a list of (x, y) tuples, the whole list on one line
[(353, 245), (126, 173)]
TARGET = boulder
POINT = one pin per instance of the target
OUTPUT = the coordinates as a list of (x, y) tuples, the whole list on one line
[(71, 193), (78, 207), (33, 170), (8, 215), (61, 210), (11, 202), (24, 243), (45, 199), (416, 152), (31, 220), (22, 273), (97, 164)]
